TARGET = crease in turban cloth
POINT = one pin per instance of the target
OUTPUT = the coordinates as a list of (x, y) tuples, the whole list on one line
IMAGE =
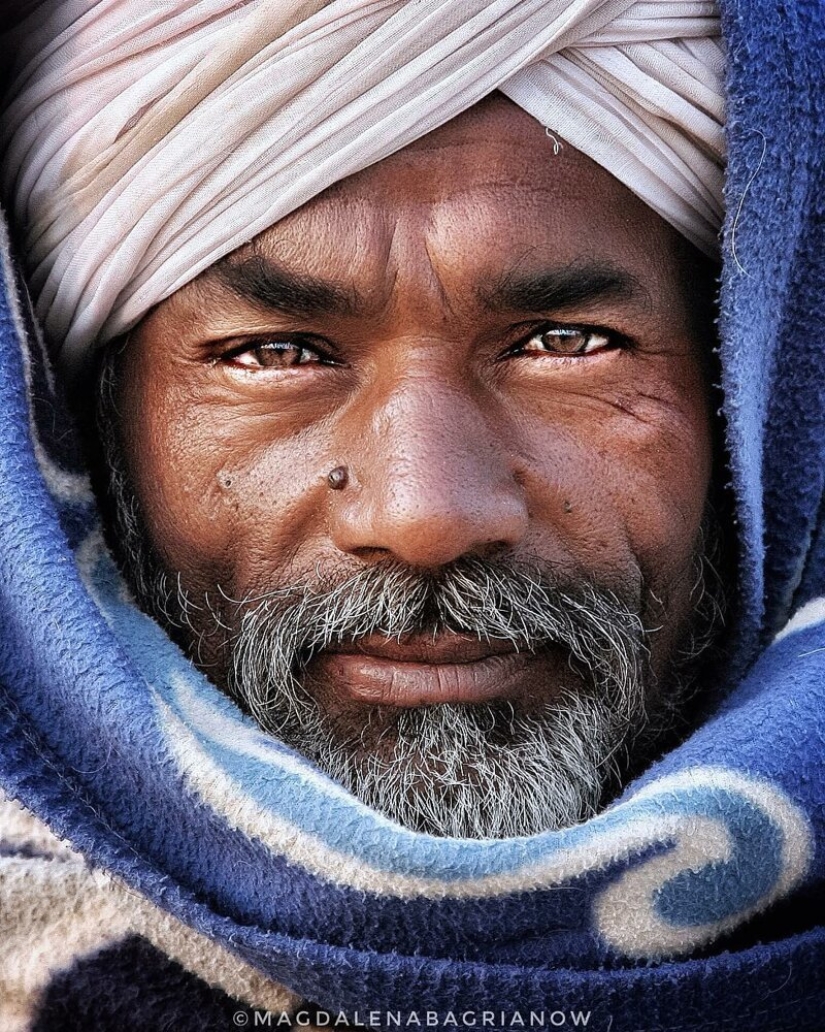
[(146, 139)]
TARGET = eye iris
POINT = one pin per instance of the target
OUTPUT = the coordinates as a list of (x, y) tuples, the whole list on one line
[(568, 341), (571, 342), (279, 355)]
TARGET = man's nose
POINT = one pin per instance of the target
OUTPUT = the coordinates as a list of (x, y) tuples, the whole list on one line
[(430, 480)]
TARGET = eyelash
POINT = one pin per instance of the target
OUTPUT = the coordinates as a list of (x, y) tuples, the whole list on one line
[(278, 346), (299, 346), (612, 341)]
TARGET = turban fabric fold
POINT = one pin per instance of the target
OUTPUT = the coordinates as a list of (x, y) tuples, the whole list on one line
[(146, 139)]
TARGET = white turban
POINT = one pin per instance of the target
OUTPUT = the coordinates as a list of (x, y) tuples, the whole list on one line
[(146, 139)]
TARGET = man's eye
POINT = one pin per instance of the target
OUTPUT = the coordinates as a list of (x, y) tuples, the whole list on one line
[(566, 340), (275, 354)]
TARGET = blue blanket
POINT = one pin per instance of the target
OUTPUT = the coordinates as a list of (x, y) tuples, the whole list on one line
[(204, 869)]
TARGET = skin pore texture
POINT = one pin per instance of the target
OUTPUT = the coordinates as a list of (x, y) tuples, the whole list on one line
[(506, 352)]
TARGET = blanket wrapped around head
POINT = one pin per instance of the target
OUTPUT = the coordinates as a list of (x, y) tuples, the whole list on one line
[(199, 853)]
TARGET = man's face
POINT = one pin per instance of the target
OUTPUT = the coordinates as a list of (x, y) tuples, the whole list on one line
[(498, 343)]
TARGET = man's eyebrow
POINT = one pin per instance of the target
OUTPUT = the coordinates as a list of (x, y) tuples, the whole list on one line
[(268, 285), (564, 287)]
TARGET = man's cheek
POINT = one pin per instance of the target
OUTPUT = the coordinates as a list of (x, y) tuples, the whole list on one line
[(235, 515), (606, 497), (189, 524), (656, 458)]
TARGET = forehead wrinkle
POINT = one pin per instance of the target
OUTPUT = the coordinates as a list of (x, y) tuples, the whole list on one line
[(440, 289), (345, 238)]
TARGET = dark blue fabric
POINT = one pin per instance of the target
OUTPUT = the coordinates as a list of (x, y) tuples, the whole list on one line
[(773, 303), (133, 987)]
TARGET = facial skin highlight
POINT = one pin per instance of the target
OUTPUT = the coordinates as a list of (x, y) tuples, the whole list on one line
[(506, 351)]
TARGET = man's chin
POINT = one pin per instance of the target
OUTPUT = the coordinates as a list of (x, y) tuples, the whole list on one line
[(482, 771)]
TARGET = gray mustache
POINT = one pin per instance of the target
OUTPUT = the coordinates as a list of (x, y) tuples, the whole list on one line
[(526, 605)]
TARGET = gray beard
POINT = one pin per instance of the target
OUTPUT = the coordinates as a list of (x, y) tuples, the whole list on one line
[(472, 771), (475, 772)]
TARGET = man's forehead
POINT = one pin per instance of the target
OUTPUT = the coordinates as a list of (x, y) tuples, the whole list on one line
[(492, 155), (489, 197)]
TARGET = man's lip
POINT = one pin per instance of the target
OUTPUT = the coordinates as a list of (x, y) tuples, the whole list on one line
[(428, 672), (453, 649)]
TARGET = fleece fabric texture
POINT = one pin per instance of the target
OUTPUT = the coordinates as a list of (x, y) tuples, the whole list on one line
[(155, 828)]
